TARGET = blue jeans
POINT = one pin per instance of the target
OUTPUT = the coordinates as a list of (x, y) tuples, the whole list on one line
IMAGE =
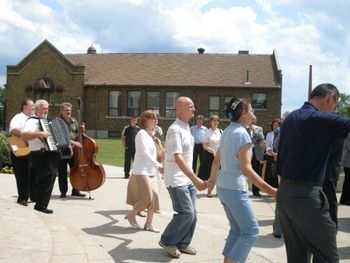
[(179, 231), (244, 228)]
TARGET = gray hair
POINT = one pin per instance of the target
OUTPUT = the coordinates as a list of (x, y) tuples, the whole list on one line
[(65, 105), (40, 103)]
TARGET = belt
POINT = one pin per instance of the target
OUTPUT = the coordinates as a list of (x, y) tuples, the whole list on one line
[(300, 182)]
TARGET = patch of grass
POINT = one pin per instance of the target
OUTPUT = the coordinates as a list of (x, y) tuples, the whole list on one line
[(110, 152)]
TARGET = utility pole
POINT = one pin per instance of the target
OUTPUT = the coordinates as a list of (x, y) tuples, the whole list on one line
[(310, 81)]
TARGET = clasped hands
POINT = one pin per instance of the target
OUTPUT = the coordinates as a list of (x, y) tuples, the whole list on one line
[(202, 185)]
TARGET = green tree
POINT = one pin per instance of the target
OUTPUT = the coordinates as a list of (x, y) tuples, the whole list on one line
[(344, 105)]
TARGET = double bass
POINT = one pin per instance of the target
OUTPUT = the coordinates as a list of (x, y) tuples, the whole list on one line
[(87, 174)]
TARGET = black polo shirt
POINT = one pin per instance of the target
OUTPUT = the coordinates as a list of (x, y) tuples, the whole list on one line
[(306, 137), (130, 133)]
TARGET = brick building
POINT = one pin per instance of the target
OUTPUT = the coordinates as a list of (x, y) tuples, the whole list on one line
[(115, 86)]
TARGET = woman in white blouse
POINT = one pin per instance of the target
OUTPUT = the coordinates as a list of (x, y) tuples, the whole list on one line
[(211, 141), (142, 187)]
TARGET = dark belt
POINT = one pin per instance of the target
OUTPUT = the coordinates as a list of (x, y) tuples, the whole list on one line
[(300, 182)]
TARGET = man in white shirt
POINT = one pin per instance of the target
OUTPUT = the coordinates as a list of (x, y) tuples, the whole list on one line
[(181, 182), (21, 164), (44, 163)]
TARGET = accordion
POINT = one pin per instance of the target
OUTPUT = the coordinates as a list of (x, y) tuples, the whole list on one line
[(59, 138)]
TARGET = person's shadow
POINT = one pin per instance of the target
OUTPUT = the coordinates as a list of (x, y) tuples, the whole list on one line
[(122, 252)]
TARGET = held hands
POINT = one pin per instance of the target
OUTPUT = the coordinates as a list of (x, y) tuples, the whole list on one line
[(199, 184), (210, 184)]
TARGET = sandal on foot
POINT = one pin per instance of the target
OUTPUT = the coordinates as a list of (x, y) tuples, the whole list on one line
[(151, 228), (171, 250), (188, 250), (133, 224)]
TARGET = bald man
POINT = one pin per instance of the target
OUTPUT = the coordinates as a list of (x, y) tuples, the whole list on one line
[(181, 182)]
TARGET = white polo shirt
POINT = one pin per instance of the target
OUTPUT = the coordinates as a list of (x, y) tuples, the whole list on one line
[(18, 121), (36, 144), (178, 140)]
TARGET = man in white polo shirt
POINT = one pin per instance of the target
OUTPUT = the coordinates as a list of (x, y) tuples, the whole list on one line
[(21, 164), (181, 182)]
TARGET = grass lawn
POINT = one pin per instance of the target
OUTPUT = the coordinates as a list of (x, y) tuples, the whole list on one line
[(110, 152)]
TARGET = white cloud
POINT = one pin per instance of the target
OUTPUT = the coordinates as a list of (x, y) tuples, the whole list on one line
[(218, 30), (303, 32)]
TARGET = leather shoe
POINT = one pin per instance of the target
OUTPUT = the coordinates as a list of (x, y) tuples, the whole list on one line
[(22, 202), (63, 196), (257, 194), (44, 210), (77, 193), (345, 203)]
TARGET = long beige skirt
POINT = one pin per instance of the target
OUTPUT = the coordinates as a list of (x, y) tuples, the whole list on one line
[(142, 193)]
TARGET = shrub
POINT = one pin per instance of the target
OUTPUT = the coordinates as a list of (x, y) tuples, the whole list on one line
[(5, 159)]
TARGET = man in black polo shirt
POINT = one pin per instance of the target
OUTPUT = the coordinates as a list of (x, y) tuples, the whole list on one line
[(128, 140), (306, 137)]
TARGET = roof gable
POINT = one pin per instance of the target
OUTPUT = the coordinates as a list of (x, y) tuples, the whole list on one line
[(47, 49)]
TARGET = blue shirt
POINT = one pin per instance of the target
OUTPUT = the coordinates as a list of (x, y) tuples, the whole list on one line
[(306, 137), (230, 175), (198, 133)]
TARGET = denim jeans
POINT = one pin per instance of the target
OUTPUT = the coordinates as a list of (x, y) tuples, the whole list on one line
[(244, 229), (179, 231)]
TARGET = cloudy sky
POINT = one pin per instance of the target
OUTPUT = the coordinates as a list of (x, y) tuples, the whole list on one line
[(312, 32)]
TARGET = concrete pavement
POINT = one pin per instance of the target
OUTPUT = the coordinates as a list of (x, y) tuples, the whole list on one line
[(94, 230)]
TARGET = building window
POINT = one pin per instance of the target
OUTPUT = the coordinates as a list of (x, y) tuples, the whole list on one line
[(114, 108), (134, 103), (214, 105), (153, 100), (43, 88), (42, 95), (170, 102), (259, 101)]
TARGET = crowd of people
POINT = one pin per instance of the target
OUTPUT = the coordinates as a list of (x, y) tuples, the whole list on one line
[(297, 163), (274, 163)]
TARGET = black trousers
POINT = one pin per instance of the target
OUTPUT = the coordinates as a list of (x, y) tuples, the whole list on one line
[(129, 155), (257, 167), (198, 152), (330, 190), (271, 175), (63, 174), (345, 193), (21, 167), (44, 167), (306, 223), (205, 167)]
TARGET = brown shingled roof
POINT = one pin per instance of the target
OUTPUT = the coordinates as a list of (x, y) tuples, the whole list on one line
[(154, 69)]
